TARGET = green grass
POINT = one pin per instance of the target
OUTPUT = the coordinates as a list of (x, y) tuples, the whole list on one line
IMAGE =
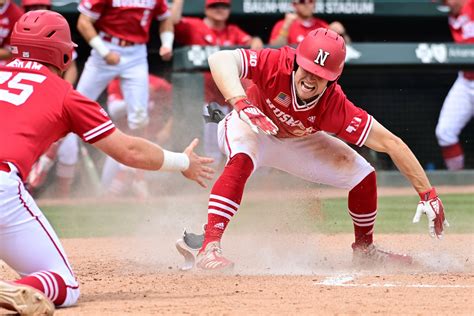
[(394, 216)]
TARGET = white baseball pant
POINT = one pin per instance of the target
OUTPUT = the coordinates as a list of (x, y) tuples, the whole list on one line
[(133, 73), (28, 243), (457, 111), (318, 158)]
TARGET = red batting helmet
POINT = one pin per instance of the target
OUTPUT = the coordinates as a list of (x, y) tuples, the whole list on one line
[(322, 52), (211, 2), (43, 36), (29, 3)]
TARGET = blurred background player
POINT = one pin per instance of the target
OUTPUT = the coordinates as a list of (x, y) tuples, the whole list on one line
[(63, 152), (118, 179), (41, 42), (212, 30), (295, 26), (458, 107), (10, 12), (118, 33)]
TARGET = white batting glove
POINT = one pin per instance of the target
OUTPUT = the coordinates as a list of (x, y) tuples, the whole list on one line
[(431, 205), (251, 115)]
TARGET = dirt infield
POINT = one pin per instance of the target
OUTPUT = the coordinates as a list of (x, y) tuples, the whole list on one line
[(276, 273), (292, 274)]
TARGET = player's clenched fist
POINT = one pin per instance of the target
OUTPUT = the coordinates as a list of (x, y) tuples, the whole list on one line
[(431, 205), (197, 170), (251, 115)]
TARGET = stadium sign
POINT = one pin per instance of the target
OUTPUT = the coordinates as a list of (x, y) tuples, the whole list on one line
[(323, 6)]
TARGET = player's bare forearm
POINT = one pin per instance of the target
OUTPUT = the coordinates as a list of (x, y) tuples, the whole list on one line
[(85, 26), (225, 69), (132, 151), (382, 140), (166, 25), (176, 11), (71, 73)]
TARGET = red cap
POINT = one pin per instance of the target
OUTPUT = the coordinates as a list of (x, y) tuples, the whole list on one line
[(211, 2), (27, 3)]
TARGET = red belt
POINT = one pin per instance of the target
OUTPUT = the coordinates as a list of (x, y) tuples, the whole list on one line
[(116, 41), (4, 167), (469, 75)]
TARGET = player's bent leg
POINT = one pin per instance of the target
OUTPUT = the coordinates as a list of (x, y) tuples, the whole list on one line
[(224, 202), (362, 202), (31, 247)]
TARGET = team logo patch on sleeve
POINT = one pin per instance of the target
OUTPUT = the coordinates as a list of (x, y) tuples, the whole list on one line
[(283, 99)]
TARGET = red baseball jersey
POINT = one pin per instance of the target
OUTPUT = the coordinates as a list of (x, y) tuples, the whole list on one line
[(9, 14), (462, 26), (462, 29), (160, 103), (37, 108), (298, 29), (272, 72), (193, 31), (126, 19)]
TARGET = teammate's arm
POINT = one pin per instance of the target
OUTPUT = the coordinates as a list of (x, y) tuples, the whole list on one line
[(282, 38), (177, 11), (382, 140), (140, 153), (167, 38), (85, 26)]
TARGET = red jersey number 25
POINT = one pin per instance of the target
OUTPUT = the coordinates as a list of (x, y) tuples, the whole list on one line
[(15, 83)]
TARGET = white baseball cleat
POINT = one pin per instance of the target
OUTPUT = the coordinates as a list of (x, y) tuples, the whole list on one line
[(188, 246), (24, 300)]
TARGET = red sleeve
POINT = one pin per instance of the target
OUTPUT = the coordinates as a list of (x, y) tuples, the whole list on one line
[(86, 117), (241, 37), (92, 8), (343, 118), (259, 64), (161, 11), (183, 30), (276, 30)]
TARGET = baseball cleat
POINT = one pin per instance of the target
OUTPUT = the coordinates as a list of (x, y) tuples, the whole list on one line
[(370, 255), (211, 258), (188, 246), (24, 300)]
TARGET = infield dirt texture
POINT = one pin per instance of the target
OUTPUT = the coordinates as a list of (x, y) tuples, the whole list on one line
[(127, 263)]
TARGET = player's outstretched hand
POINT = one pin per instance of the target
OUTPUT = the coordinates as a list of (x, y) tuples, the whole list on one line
[(251, 115), (198, 170), (431, 205), (112, 58)]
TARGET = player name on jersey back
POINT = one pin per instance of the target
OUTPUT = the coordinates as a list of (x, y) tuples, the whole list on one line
[(147, 4)]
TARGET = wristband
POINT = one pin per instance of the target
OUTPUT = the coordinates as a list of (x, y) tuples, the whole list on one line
[(174, 161), (428, 195), (167, 39), (98, 44), (242, 104)]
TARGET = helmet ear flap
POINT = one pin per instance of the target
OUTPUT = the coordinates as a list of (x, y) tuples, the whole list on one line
[(43, 36)]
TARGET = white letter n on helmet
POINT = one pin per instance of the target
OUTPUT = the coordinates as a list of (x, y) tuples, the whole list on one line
[(321, 58)]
